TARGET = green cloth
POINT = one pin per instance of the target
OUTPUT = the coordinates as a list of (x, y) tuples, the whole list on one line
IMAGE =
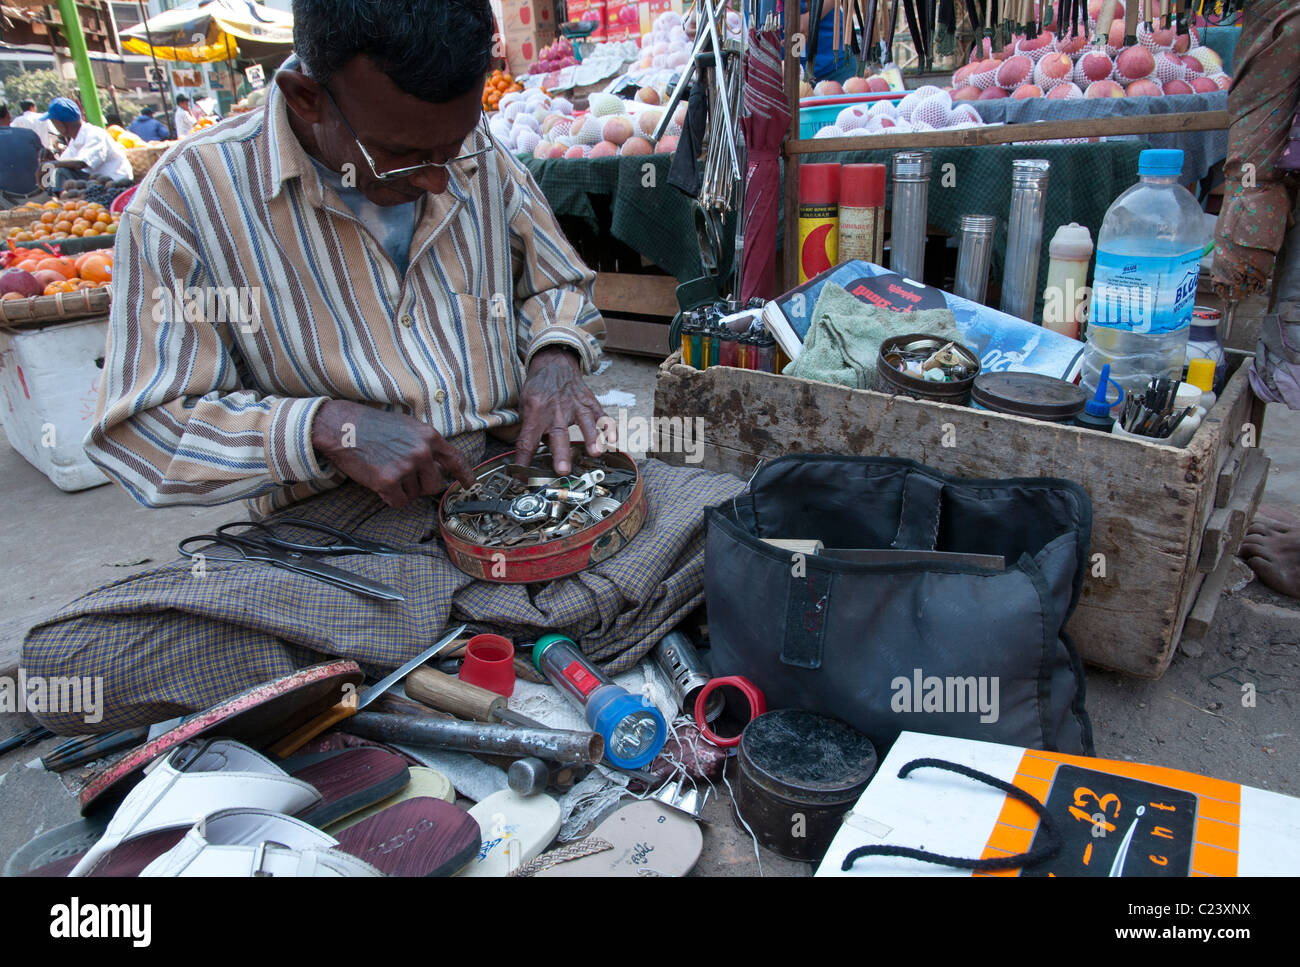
[(634, 204), (845, 336)]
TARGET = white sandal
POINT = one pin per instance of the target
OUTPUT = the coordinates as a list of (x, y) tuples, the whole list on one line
[(256, 842), (189, 783)]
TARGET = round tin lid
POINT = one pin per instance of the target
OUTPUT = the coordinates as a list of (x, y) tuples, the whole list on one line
[(806, 757), (1029, 394)]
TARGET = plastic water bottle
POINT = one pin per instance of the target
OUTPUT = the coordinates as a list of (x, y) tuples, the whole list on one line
[(1148, 261)]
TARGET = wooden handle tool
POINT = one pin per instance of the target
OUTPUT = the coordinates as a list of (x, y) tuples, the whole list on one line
[(447, 693)]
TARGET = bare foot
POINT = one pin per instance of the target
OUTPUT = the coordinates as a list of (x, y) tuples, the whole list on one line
[(1272, 549)]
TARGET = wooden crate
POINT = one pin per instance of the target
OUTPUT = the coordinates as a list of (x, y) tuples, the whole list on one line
[(1166, 521)]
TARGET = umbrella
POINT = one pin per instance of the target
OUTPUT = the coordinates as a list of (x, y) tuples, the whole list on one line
[(212, 31), (764, 122)]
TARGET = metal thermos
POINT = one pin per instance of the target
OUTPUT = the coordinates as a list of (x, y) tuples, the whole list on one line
[(911, 206), (974, 255), (1024, 237)]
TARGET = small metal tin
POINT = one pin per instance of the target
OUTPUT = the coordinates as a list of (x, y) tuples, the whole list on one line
[(799, 773), (1029, 394), (686, 670), (555, 558), (890, 379)]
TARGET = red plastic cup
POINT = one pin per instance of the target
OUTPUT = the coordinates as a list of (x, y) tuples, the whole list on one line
[(490, 663)]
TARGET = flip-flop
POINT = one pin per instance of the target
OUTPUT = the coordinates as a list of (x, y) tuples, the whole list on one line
[(418, 837), (256, 842), (515, 829), (256, 717), (648, 838), (337, 783), (425, 782)]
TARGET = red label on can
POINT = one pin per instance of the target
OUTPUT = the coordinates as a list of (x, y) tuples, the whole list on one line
[(581, 679)]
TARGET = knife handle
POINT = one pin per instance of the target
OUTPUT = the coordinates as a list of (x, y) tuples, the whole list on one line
[(447, 693), (295, 740)]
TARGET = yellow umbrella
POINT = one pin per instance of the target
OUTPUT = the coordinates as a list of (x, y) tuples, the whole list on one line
[(210, 32)]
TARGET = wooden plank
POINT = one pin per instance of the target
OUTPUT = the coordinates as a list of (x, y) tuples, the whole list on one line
[(636, 336), (1226, 526), (652, 295), (1009, 133), (1144, 495), (1245, 501), (1229, 474), (1208, 452)]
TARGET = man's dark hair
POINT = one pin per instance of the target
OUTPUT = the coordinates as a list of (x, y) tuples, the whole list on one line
[(27, 105), (182, 100), (4, 110), (147, 111), (435, 50)]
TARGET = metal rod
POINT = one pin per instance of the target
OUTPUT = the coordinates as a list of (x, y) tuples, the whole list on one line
[(552, 745)]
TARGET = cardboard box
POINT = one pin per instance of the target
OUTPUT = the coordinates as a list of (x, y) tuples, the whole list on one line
[(649, 10), (622, 20), (524, 46), (590, 11), (1113, 818), (49, 382), (527, 15)]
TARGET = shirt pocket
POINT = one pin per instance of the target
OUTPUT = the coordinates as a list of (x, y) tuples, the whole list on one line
[(488, 328)]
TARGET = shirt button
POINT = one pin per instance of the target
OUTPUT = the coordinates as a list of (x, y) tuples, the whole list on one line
[(406, 320), (440, 396)]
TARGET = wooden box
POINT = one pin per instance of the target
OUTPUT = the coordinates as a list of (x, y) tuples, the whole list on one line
[(1166, 521)]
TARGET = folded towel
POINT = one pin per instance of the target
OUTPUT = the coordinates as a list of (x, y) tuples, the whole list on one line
[(845, 336)]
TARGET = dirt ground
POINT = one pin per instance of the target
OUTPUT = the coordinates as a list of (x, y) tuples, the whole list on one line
[(57, 546)]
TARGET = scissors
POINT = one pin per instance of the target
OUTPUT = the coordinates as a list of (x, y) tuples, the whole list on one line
[(258, 541)]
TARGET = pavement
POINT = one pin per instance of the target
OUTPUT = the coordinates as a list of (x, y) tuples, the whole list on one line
[(57, 546)]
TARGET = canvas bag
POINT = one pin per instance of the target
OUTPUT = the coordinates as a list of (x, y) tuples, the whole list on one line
[(841, 638)]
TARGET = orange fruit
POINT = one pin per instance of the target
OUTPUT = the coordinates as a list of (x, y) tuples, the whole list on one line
[(97, 269), (102, 217), (70, 206), (63, 266), (49, 218), (28, 265), (63, 225), (11, 295), (54, 288)]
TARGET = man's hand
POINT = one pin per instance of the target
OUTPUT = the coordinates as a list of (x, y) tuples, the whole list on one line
[(393, 454), (555, 397)]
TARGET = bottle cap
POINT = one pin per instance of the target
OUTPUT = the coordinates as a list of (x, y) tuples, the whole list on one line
[(1161, 162), (1073, 242), (1200, 373), (819, 184), (862, 186), (911, 166), (1100, 404), (1189, 394)]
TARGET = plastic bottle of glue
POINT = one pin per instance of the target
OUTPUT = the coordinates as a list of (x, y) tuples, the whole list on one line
[(819, 219), (1067, 279)]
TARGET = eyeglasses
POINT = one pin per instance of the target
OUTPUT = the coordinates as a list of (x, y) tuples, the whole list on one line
[(397, 174)]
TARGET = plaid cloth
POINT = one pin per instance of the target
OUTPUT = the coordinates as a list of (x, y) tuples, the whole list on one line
[(167, 642)]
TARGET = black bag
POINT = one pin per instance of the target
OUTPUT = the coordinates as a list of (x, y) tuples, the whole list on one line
[(943, 648)]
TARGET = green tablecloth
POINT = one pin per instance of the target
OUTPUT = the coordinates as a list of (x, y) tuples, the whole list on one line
[(656, 219), (647, 213)]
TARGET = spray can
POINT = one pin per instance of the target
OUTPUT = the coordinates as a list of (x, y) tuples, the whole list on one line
[(633, 729), (974, 256), (1067, 279), (819, 219), (1024, 237), (862, 213), (911, 207)]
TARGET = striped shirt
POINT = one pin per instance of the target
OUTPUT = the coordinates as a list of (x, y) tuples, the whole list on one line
[(246, 294)]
